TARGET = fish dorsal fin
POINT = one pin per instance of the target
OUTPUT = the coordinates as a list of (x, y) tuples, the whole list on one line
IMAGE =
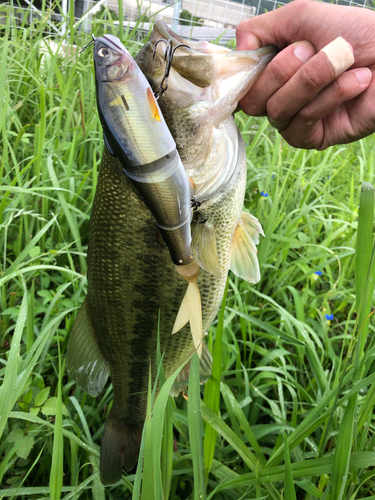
[(204, 249), (244, 260), (84, 361)]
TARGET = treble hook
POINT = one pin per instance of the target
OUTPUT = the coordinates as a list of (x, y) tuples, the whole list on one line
[(168, 56), (88, 44)]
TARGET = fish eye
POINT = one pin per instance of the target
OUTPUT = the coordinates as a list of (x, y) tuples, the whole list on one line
[(102, 52)]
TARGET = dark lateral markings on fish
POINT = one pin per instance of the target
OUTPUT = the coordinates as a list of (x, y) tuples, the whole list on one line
[(125, 103)]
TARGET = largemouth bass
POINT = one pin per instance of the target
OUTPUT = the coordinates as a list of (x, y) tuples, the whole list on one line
[(135, 133), (132, 279), (205, 83)]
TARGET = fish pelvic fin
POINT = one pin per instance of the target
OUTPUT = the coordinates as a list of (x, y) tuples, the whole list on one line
[(204, 249), (84, 361), (205, 367), (119, 448), (191, 306), (244, 261), (191, 310)]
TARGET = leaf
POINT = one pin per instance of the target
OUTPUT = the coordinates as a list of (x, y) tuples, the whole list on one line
[(15, 436), (148, 469), (195, 429), (27, 443), (57, 465), (364, 262), (34, 252), (343, 451), (289, 490), (212, 390), (50, 408), (41, 397)]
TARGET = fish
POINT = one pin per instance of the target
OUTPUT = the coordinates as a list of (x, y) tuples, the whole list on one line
[(134, 294), (135, 132), (205, 84)]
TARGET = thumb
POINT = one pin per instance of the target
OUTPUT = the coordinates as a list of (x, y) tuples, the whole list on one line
[(278, 27), (258, 31)]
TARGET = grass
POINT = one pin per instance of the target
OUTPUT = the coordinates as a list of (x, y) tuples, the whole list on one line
[(288, 410)]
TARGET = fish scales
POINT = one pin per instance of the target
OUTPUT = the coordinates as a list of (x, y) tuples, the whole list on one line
[(131, 277)]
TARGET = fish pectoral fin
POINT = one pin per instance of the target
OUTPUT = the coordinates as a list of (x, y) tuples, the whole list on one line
[(244, 260), (191, 310), (204, 249), (84, 361), (205, 368)]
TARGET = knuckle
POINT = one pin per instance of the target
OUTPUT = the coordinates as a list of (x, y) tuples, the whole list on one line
[(293, 138), (310, 78), (243, 27), (274, 111), (305, 115), (301, 5), (280, 72), (338, 89)]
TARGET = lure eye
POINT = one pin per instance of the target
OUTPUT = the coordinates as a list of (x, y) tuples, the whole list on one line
[(102, 52)]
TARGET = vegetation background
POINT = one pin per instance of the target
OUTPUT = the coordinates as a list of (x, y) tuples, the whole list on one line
[(288, 412)]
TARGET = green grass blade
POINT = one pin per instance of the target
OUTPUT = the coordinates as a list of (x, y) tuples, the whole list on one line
[(69, 217), (289, 490), (212, 389), (57, 467), (364, 263), (301, 469), (158, 422), (148, 468), (342, 452), (195, 429), (245, 426), (8, 387)]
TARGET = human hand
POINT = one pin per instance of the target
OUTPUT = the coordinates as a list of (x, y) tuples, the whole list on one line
[(299, 91)]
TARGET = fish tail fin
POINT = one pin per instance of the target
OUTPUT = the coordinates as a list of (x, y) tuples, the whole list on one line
[(119, 448)]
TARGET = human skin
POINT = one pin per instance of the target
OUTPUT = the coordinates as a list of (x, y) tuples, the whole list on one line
[(299, 91)]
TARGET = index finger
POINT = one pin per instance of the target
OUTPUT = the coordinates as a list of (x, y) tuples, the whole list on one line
[(314, 76)]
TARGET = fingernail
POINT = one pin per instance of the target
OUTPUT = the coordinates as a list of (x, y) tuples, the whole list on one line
[(364, 75), (304, 51)]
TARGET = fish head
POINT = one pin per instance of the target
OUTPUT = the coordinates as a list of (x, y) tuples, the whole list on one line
[(152, 66), (215, 77), (134, 128), (190, 59), (112, 61)]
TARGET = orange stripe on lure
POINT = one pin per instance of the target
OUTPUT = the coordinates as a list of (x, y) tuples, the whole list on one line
[(153, 105)]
